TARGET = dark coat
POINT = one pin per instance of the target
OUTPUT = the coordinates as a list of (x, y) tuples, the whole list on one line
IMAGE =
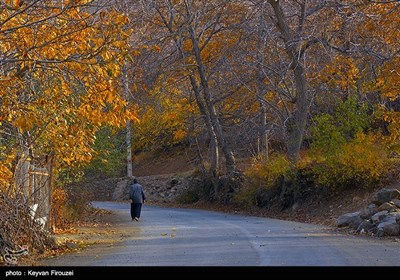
[(136, 193)]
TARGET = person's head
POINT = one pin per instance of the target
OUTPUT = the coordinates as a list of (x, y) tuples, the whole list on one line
[(135, 181)]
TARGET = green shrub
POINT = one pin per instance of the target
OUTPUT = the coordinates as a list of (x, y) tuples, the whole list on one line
[(191, 195), (343, 153), (331, 132)]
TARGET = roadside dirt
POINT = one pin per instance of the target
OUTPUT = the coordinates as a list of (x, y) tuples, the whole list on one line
[(97, 227)]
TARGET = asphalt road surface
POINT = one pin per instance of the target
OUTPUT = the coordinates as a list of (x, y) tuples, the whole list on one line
[(182, 237)]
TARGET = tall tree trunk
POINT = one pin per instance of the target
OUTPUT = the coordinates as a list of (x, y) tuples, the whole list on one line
[(203, 100), (228, 154), (296, 131), (128, 135), (128, 139), (261, 49), (215, 156), (263, 132), (202, 103), (296, 124)]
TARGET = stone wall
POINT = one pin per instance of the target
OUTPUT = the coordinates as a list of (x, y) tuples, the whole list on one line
[(157, 188), (103, 190)]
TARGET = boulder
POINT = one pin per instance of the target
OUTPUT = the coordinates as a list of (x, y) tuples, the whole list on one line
[(386, 195), (352, 220), (389, 227), (396, 215), (378, 217), (396, 202), (388, 206), (365, 226), (368, 211)]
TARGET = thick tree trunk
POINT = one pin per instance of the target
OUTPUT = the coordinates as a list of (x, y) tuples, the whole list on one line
[(295, 131), (296, 124), (215, 156)]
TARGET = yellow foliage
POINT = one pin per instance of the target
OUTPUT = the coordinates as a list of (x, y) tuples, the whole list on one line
[(389, 80), (359, 163), (166, 127), (61, 213), (263, 175), (392, 140), (179, 135), (5, 170), (7, 161), (388, 83), (381, 27), (266, 174), (64, 82), (342, 73)]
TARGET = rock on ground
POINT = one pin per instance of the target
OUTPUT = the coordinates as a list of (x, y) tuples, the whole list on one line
[(386, 195), (382, 217), (369, 211), (378, 217), (389, 227), (352, 220)]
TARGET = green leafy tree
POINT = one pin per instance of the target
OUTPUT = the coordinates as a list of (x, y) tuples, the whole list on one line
[(109, 160), (332, 131)]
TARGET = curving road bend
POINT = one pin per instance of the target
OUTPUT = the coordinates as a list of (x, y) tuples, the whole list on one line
[(182, 237)]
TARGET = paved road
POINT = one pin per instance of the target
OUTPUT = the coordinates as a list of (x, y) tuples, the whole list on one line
[(181, 237)]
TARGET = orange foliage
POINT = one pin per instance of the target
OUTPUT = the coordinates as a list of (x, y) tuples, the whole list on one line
[(342, 73), (61, 81), (382, 27)]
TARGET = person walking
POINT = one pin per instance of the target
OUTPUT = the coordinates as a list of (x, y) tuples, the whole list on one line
[(136, 194)]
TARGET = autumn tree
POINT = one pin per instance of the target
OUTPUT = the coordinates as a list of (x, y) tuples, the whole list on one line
[(60, 63), (380, 24), (290, 58), (294, 36), (363, 47), (196, 36)]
